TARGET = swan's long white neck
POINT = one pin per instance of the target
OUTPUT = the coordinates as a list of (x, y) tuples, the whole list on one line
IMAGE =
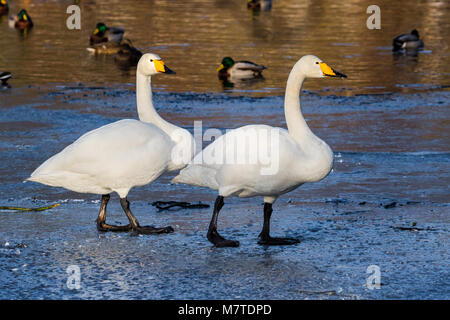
[(183, 151), (297, 126), (146, 111)]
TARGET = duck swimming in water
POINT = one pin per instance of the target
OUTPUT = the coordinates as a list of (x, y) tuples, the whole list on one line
[(21, 21), (229, 69), (4, 76), (110, 41), (3, 7), (102, 33), (407, 41)]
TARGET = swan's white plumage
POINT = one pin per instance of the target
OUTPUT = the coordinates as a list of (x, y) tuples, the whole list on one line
[(123, 154), (294, 165), (115, 157), (301, 156)]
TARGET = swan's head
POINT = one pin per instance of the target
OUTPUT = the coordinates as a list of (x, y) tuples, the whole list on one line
[(313, 67), (151, 64)]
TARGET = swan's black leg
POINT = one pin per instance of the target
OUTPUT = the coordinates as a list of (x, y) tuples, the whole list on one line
[(265, 238), (213, 235), (101, 219), (135, 224)]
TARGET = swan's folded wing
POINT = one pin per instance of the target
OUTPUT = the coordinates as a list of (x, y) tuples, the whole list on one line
[(106, 151)]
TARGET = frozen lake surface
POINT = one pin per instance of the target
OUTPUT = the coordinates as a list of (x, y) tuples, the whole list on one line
[(391, 171)]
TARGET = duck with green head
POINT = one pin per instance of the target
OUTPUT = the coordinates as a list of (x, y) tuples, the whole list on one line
[(22, 21), (3, 7), (230, 69), (102, 33)]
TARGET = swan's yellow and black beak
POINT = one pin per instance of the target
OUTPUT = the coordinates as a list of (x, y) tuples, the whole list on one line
[(220, 67), (330, 72), (160, 67)]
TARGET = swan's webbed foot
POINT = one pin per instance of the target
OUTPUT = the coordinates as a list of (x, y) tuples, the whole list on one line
[(152, 230), (269, 241), (103, 227), (213, 235), (219, 241), (135, 227)]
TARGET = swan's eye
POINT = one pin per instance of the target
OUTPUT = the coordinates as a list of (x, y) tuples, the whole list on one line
[(151, 60), (317, 62)]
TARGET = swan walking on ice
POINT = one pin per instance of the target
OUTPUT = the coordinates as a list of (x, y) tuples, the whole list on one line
[(122, 155), (301, 157)]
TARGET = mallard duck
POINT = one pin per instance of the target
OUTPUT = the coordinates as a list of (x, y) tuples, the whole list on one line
[(121, 155), (127, 54), (230, 69), (407, 41), (3, 7), (102, 33), (259, 4), (22, 21), (292, 157), (4, 76)]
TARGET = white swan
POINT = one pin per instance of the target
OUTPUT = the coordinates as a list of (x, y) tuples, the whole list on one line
[(299, 156), (121, 155)]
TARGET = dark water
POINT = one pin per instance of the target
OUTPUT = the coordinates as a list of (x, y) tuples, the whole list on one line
[(388, 125), (193, 37)]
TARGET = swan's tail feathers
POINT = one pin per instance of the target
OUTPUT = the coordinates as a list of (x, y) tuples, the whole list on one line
[(78, 182), (197, 176), (53, 180)]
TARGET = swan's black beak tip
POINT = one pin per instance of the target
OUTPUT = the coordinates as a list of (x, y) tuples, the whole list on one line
[(167, 70), (339, 74)]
